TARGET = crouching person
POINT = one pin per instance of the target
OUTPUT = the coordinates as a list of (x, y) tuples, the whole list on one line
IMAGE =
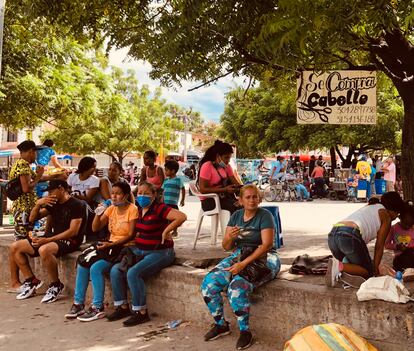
[(66, 217), (250, 234)]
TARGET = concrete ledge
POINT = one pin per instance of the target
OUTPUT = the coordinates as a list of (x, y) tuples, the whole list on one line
[(279, 309)]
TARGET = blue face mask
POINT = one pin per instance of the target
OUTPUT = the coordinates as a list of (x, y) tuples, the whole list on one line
[(144, 200), (222, 164)]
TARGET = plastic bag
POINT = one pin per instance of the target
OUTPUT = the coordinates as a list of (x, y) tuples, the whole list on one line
[(383, 288)]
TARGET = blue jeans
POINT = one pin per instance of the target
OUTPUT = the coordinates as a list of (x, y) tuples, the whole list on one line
[(97, 276), (153, 261), (301, 191), (347, 242)]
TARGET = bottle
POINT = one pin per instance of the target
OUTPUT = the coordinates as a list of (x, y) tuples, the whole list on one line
[(102, 207), (11, 220), (399, 276)]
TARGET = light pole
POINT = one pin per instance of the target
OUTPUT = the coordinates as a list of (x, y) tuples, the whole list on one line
[(2, 10), (186, 118)]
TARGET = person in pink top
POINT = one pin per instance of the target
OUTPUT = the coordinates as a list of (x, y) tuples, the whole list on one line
[(152, 173), (216, 176), (389, 173), (317, 175), (400, 239)]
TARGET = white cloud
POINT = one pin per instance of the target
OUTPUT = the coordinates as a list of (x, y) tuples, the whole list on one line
[(209, 100)]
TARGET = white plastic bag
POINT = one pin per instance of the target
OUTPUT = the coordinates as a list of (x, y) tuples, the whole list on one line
[(383, 288)]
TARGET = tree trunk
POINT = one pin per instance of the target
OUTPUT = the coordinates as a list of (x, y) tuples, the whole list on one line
[(407, 149), (333, 158), (347, 162)]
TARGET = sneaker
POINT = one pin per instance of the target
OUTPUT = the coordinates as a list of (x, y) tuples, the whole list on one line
[(75, 311), (408, 275), (352, 280), (118, 314), (332, 273), (136, 318), (52, 293), (217, 331), (28, 289), (92, 314), (245, 340)]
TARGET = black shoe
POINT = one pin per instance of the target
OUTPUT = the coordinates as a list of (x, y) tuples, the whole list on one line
[(217, 331), (118, 314), (75, 311), (245, 340), (136, 318)]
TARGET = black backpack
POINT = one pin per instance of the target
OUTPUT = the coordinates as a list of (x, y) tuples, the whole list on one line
[(13, 189)]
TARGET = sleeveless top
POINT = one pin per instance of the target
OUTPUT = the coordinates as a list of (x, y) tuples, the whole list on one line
[(368, 221), (156, 179)]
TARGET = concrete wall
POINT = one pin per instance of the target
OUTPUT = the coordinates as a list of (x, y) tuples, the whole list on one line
[(279, 309)]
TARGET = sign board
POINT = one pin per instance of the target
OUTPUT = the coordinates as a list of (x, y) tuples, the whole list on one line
[(337, 97)]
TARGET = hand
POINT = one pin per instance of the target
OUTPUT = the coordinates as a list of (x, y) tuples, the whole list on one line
[(47, 201), (37, 242), (182, 203), (236, 268), (234, 232), (104, 245), (166, 236), (231, 188), (39, 171)]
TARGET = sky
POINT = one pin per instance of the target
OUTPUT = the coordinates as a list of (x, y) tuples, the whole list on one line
[(209, 100)]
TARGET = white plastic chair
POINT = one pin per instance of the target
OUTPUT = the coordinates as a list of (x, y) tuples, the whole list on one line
[(217, 216)]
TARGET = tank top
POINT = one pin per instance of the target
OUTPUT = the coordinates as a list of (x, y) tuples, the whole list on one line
[(368, 221), (155, 180)]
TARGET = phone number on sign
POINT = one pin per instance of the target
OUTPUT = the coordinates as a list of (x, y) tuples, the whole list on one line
[(370, 119), (356, 109)]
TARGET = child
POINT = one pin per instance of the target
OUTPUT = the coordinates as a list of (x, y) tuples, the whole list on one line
[(401, 240), (172, 186), (45, 154), (152, 173)]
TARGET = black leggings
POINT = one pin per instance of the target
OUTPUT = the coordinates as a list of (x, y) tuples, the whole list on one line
[(404, 260), (226, 203)]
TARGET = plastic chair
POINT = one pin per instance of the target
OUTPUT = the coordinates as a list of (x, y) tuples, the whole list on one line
[(217, 215)]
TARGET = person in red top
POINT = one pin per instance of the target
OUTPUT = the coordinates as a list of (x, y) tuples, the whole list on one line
[(317, 175), (152, 173), (154, 250)]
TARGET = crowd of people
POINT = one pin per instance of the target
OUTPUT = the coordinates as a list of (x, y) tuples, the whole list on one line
[(131, 233)]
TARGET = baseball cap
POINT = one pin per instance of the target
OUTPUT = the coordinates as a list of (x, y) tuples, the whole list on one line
[(56, 183), (27, 145)]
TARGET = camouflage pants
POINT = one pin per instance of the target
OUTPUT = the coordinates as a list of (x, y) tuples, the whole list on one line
[(21, 224), (238, 289)]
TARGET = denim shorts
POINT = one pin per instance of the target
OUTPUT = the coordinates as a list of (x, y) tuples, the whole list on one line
[(347, 242)]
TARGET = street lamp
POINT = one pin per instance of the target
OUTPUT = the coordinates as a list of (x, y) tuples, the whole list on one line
[(2, 10)]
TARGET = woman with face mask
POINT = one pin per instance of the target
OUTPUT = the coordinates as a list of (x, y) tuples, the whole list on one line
[(216, 176), (120, 218), (153, 251)]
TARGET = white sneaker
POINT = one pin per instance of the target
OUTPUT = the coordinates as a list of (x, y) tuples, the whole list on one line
[(408, 275), (52, 293), (354, 281), (332, 274), (28, 289)]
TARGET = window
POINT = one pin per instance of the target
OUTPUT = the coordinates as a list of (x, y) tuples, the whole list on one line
[(11, 137)]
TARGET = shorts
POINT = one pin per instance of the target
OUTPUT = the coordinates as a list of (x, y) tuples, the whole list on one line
[(64, 247), (347, 242)]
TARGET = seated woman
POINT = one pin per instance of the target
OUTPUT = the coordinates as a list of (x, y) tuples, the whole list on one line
[(106, 182), (250, 234), (216, 176), (348, 241), (401, 240), (154, 250), (120, 217)]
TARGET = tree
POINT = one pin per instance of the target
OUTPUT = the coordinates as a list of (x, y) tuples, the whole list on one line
[(130, 118), (207, 39), (263, 121)]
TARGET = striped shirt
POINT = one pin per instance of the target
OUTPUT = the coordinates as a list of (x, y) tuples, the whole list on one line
[(149, 228), (172, 187)]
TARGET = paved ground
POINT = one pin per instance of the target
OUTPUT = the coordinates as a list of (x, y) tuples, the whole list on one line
[(29, 324)]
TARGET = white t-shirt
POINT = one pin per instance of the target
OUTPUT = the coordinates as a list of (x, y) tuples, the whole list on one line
[(368, 221), (82, 186)]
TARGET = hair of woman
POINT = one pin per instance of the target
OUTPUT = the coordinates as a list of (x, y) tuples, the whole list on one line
[(85, 164)]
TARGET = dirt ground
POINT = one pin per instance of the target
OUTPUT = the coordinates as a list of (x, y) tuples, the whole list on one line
[(30, 325)]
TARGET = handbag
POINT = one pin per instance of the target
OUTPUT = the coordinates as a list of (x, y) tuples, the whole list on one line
[(91, 255), (256, 270), (13, 189)]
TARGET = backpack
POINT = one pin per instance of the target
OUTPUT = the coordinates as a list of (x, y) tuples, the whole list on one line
[(13, 189)]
